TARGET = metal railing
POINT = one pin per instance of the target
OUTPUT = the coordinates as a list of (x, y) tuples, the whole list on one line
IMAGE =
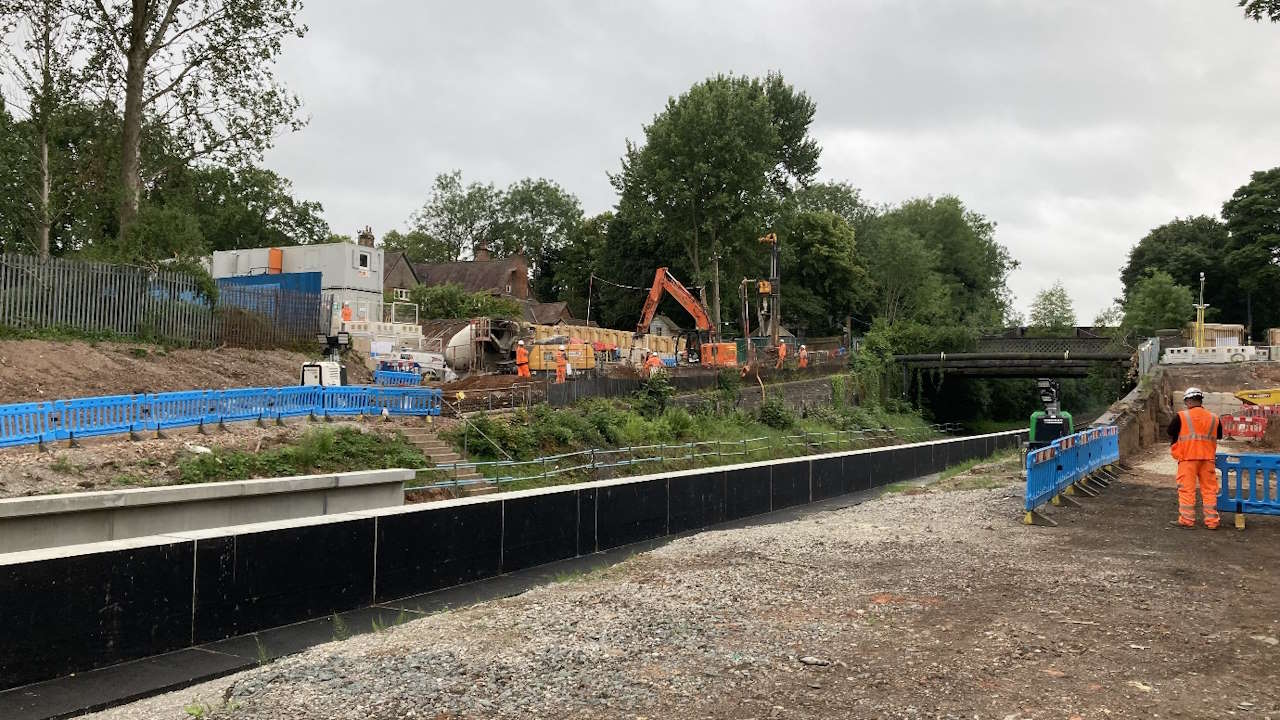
[(595, 461)]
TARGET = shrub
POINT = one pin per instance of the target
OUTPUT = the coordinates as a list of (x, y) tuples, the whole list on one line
[(651, 400), (318, 450), (776, 415)]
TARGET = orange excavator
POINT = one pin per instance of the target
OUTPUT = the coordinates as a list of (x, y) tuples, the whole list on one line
[(702, 344)]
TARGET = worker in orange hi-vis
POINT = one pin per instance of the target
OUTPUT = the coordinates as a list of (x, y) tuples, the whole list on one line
[(1194, 434), (782, 355), (522, 360), (651, 363), (562, 365), (346, 312), (803, 357)]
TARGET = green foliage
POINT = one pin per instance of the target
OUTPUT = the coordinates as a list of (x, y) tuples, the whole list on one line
[(652, 399), (459, 217), (1253, 220), (451, 301), (1051, 310), (776, 415), (1261, 9), (1156, 302), (825, 281), (318, 450), (713, 168), (418, 246), (1183, 248)]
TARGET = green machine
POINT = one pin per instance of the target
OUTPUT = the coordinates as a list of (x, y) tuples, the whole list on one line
[(1051, 423)]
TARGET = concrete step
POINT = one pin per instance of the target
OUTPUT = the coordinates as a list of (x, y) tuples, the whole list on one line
[(445, 458), (480, 489), (433, 446)]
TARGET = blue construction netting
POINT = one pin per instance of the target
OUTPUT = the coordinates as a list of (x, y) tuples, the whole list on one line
[(1067, 461), (42, 422)]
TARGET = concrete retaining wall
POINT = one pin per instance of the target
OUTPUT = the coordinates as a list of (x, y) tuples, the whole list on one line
[(30, 523), (76, 608)]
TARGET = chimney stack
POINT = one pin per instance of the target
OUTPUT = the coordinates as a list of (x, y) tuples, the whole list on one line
[(365, 237), (481, 252)]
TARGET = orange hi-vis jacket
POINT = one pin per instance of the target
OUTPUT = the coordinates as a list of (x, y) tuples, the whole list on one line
[(782, 350), (562, 362), (522, 355), (1197, 438), (653, 362)]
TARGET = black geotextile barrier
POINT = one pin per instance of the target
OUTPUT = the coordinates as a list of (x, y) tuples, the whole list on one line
[(66, 614)]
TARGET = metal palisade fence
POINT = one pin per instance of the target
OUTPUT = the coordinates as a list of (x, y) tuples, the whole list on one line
[(145, 304)]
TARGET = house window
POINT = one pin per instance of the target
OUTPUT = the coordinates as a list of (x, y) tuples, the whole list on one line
[(508, 289), (402, 294), (363, 261)]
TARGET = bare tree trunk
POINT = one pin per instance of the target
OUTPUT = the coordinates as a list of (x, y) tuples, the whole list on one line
[(131, 145), (45, 217)]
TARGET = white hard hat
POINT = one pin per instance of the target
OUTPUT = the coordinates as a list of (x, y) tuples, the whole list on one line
[(520, 342), (561, 347), (804, 346), (1193, 392)]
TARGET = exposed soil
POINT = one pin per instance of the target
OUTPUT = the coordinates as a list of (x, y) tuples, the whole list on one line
[(932, 605), (32, 370)]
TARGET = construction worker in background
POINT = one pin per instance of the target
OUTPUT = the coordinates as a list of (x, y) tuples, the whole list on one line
[(522, 360), (346, 312), (803, 357), (651, 362), (562, 365), (1194, 434), (782, 355)]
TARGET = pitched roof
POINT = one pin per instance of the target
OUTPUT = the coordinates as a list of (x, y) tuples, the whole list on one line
[(546, 313), (472, 275)]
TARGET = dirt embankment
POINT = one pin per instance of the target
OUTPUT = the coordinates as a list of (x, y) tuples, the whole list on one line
[(33, 370)]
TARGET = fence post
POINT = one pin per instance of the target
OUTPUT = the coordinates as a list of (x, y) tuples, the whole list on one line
[(593, 463)]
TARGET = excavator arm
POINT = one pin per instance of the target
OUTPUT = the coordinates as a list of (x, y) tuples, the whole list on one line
[(663, 280)]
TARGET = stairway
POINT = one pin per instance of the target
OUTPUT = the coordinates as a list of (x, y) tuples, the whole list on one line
[(441, 453)]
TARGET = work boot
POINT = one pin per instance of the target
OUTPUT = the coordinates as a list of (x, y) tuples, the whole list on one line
[(1180, 524), (1207, 526)]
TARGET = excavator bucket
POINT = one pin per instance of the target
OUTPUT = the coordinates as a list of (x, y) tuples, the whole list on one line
[(1260, 397)]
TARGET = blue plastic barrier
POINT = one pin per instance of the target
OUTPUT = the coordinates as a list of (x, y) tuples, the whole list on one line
[(347, 400), (298, 401), (1068, 461), (179, 409), (1250, 484), (25, 423), (108, 415), (405, 401), (32, 423), (394, 378)]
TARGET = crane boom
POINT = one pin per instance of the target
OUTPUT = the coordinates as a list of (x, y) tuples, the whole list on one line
[(663, 280)]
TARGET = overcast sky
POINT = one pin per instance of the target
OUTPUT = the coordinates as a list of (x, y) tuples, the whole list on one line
[(1076, 126)]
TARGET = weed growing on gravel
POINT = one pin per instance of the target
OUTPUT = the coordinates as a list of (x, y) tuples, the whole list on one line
[(340, 630), (64, 466), (263, 656), (319, 450)]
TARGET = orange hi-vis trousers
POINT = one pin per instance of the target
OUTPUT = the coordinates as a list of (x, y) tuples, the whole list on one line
[(1201, 474)]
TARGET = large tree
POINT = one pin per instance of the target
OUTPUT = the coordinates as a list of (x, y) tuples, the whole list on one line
[(459, 218), (824, 281), (713, 168), (1156, 302), (1253, 221), (540, 218), (1051, 310), (1184, 248), (904, 276), (200, 70), (419, 246), (972, 266), (38, 43)]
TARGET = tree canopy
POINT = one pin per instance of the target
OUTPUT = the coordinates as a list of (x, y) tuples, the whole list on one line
[(1052, 310), (1156, 302), (1253, 254)]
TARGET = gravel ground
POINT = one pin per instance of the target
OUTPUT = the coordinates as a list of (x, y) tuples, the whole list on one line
[(922, 605)]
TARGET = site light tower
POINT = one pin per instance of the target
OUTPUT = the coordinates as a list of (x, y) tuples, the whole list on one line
[(1200, 308)]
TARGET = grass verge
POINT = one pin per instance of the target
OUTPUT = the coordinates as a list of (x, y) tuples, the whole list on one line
[(319, 450)]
